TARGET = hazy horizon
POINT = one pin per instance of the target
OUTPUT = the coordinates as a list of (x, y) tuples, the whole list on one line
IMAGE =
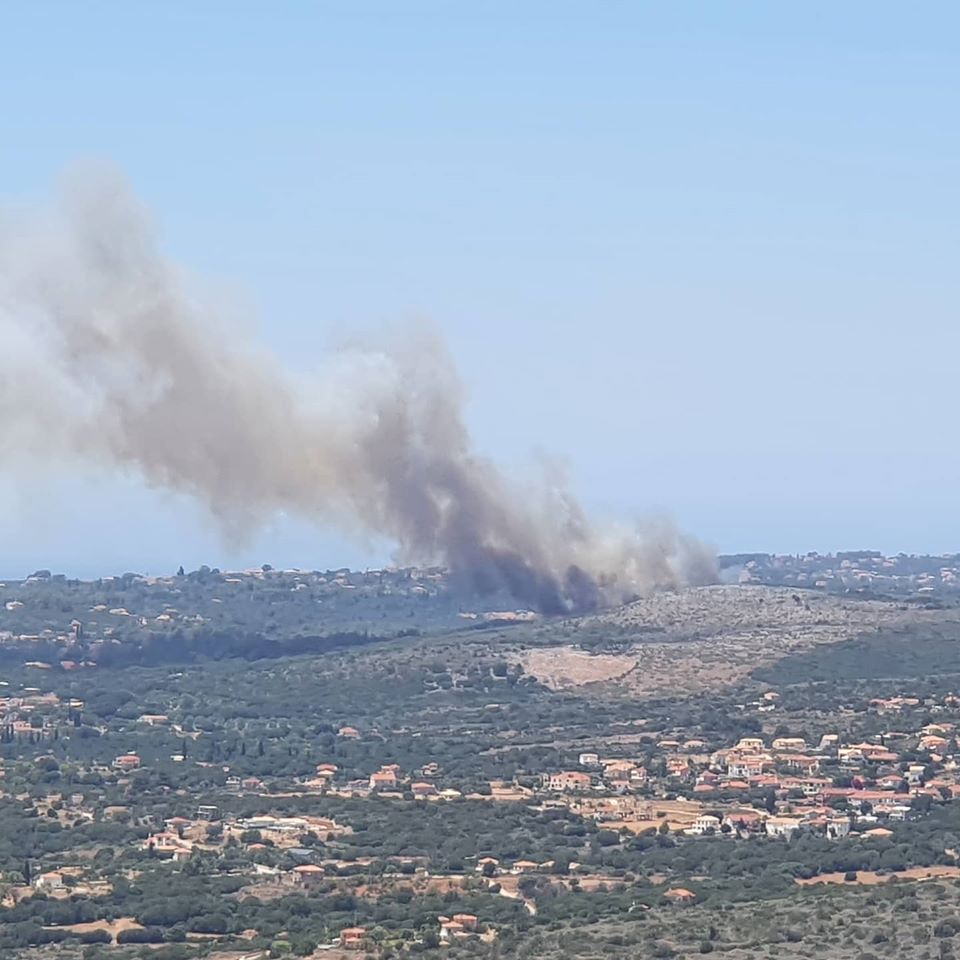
[(251, 562)]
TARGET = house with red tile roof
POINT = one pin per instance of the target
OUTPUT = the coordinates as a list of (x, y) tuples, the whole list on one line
[(383, 780), (126, 762), (569, 780), (352, 938)]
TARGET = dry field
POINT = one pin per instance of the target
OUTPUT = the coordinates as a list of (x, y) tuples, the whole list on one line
[(708, 637), (564, 667), (113, 927), (677, 814), (420, 886), (869, 878)]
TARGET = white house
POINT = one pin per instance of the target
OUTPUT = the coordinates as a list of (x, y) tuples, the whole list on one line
[(785, 827), (705, 823)]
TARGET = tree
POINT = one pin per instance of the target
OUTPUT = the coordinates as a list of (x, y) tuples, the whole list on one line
[(946, 928), (138, 935), (210, 923), (95, 936)]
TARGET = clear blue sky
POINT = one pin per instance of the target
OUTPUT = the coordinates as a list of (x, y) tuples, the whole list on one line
[(705, 252)]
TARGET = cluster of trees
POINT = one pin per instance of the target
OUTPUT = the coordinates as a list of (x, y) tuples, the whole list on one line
[(916, 650), (219, 615), (169, 903)]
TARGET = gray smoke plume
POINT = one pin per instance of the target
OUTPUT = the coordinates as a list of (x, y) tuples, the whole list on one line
[(109, 357)]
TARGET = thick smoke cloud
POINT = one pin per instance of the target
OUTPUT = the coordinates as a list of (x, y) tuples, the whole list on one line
[(110, 357)]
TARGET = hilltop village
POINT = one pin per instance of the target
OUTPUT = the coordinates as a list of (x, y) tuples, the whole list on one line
[(857, 571)]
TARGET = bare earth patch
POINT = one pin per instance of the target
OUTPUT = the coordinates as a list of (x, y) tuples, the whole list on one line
[(677, 814), (563, 667), (113, 927), (869, 878)]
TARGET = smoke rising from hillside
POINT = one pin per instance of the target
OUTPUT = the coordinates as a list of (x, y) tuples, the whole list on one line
[(109, 357)]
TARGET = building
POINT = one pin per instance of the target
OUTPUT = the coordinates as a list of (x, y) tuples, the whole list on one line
[(169, 846), (705, 823), (837, 828), (451, 930), (383, 780), (126, 762), (785, 827), (351, 938), (568, 781), (458, 927), (789, 744), (308, 876), (589, 760), (48, 882), (678, 767), (749, 821), (746, 766), (808, 786), (618, 772), (801, 762)]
